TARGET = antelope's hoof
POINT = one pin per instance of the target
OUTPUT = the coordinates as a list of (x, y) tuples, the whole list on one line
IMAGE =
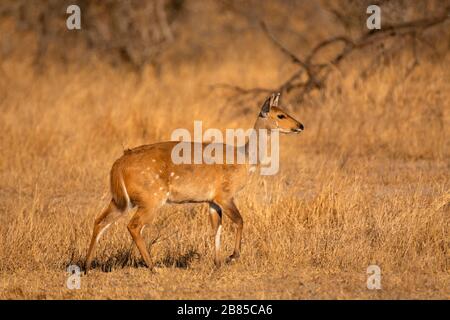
[(233, 258), (155, 270)]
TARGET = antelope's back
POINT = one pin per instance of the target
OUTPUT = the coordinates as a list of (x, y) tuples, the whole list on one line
[(192, 180)]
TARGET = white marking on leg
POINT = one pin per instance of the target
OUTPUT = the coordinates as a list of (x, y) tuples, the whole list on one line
[(102, 231), (142, 229), (217, 240)]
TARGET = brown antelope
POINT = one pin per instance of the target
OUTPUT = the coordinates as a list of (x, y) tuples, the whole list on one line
[(145, 177)]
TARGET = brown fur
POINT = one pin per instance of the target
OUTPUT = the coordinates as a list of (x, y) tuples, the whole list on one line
[(146, 177)]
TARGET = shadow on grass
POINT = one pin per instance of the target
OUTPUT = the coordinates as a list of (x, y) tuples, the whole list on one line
[(124, 259)]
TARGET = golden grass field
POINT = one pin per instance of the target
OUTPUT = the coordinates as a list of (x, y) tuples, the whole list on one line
[(367, 182)]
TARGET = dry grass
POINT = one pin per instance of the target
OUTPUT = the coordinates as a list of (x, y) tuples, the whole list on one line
[(366, 183)]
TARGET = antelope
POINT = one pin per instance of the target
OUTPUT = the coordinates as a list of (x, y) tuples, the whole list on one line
[(146, 178)]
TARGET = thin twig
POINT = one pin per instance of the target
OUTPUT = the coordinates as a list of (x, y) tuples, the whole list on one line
[(317, 74)]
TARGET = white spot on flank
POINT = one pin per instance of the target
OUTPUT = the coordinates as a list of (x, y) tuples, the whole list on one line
[(153, 160), (177, 177), (218, 233), (172, 174), (160, 188), (157, 176), (154, 194), (167, 193)]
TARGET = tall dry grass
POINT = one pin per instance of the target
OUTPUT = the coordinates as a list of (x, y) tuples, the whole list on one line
[(365, 183)]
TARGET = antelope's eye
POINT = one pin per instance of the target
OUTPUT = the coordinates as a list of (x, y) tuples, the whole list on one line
[(281, 116)]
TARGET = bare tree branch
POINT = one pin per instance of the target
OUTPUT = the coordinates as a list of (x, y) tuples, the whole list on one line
[(318, 73)]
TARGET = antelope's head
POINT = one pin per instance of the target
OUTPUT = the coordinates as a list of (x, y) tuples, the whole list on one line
[(272, 117)]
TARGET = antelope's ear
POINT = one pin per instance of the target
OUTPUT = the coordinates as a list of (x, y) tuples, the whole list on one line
[(265, 109), (276, 98)]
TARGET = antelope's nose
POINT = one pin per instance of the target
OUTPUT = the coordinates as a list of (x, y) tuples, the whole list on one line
[(301, 127)]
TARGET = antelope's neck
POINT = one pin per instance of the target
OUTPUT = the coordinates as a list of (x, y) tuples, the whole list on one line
[(254, 148)]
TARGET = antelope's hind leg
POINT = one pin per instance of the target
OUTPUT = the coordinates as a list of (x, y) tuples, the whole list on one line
[(144, 216), (102, 222)]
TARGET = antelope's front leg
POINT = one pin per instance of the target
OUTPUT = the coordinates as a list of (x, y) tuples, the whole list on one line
[(215, 215), (230, 209)]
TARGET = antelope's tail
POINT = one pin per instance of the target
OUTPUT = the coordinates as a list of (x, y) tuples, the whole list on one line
[(118, 189)]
